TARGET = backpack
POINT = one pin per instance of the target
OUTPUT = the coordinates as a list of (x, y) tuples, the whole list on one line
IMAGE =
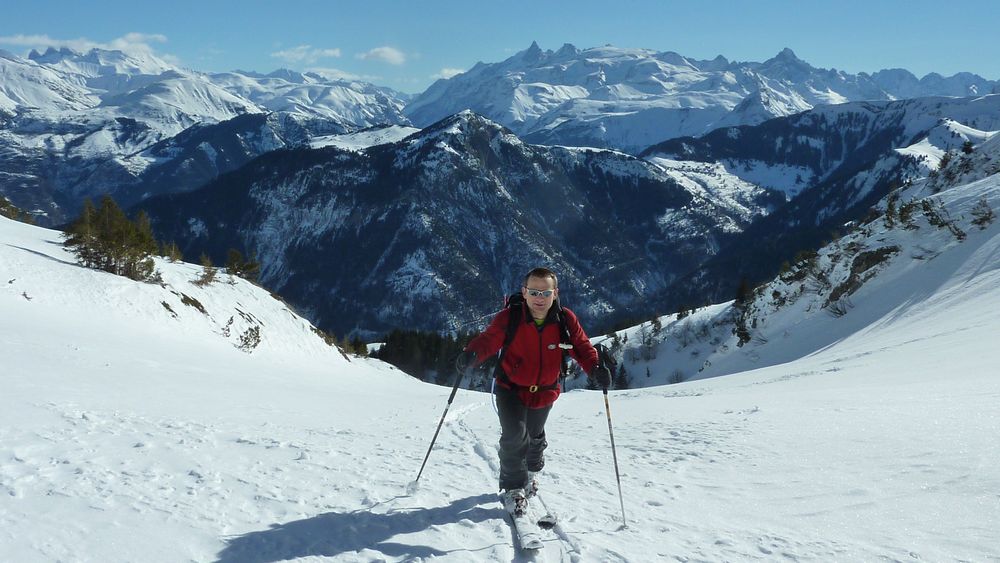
[(515, 306)]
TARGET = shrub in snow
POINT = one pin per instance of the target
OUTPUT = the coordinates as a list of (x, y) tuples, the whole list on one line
[(246, 268), (982, 214), (208, 272)]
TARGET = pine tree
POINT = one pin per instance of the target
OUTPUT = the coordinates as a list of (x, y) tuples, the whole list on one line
[(236, 265), (234, 262), (358, 347), (622, 379), (172, 252), (945, 159), (81, 236), (140, 246), (208, 271), (743, 294)]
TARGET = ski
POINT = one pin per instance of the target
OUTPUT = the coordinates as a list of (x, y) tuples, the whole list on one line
[(529, 535)]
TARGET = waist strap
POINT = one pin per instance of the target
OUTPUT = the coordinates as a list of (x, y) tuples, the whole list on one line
[(506, 382)]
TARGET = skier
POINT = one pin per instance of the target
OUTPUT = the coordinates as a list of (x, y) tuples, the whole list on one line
[(527, 376)]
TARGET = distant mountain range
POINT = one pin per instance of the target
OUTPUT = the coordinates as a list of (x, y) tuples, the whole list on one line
[(629, 99), (710, 171), (76, 125)]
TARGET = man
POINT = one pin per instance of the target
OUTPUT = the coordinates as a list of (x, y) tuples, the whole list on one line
[(527, 378)]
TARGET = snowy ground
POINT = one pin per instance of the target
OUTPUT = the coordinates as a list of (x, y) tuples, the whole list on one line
[(132, 433)]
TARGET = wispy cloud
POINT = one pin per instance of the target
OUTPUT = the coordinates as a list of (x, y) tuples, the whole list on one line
[(337, 74), (447, 73), (305, 54), (389, 55), (129, 43)]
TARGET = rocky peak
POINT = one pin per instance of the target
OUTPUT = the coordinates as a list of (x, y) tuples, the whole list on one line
[(533, 54)]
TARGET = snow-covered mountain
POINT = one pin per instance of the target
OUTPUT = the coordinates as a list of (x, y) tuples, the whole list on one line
[(139, 85), (134, 427), (834, 162), (312, 96), (83, 124), (630, 99), (462, 207), (921, 270)]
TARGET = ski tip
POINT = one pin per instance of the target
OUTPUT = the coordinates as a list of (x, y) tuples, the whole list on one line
[(532, 545)]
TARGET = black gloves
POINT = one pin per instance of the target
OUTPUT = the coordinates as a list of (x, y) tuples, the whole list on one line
[(602, 375), (465, 360)]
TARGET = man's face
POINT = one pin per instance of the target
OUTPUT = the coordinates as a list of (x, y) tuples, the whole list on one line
[(538, 303)]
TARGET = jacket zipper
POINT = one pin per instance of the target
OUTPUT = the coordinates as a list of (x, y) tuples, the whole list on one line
[(541, 351)]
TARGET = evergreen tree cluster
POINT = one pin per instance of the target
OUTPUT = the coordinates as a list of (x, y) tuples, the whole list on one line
[(425, 355), (353, 346), (105, 239)]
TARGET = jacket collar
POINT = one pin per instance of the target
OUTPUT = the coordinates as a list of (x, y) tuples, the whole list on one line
[(551, 317)]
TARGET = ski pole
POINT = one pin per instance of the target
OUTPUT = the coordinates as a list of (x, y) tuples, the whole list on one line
[(614, 455), (458, 379)]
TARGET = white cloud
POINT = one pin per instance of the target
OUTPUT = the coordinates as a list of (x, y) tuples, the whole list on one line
[(447, 73), (306, 54), (129, 43), (389, 55)]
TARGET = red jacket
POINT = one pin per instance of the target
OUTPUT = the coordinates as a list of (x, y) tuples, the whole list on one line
[(534, 356)]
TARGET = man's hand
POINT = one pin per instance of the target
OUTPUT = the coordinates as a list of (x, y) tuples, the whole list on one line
[(465, 360), (602, 376)]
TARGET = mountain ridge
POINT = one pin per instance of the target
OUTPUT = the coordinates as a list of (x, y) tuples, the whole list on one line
[(599, 96)]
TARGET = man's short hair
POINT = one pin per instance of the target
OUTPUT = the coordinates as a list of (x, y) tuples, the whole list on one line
[(542, 273)]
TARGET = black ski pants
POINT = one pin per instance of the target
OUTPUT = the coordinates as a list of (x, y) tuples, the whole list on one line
[(522, 438)]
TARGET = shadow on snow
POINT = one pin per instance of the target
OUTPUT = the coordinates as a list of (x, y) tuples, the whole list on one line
[(334, 533)]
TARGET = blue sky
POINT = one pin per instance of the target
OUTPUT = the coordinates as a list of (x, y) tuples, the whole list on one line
[(408, 44)]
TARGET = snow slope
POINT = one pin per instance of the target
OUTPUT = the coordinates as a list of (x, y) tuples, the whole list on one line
[(129, 434), (360, 140)]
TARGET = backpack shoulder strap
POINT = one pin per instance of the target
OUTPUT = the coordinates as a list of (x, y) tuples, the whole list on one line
[(515, 307), (514, 311)]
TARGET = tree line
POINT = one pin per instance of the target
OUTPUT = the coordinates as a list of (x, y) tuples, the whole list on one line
[(104, 238), (428, 356)]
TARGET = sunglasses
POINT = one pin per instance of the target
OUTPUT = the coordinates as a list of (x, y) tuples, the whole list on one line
[(540, 292)]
